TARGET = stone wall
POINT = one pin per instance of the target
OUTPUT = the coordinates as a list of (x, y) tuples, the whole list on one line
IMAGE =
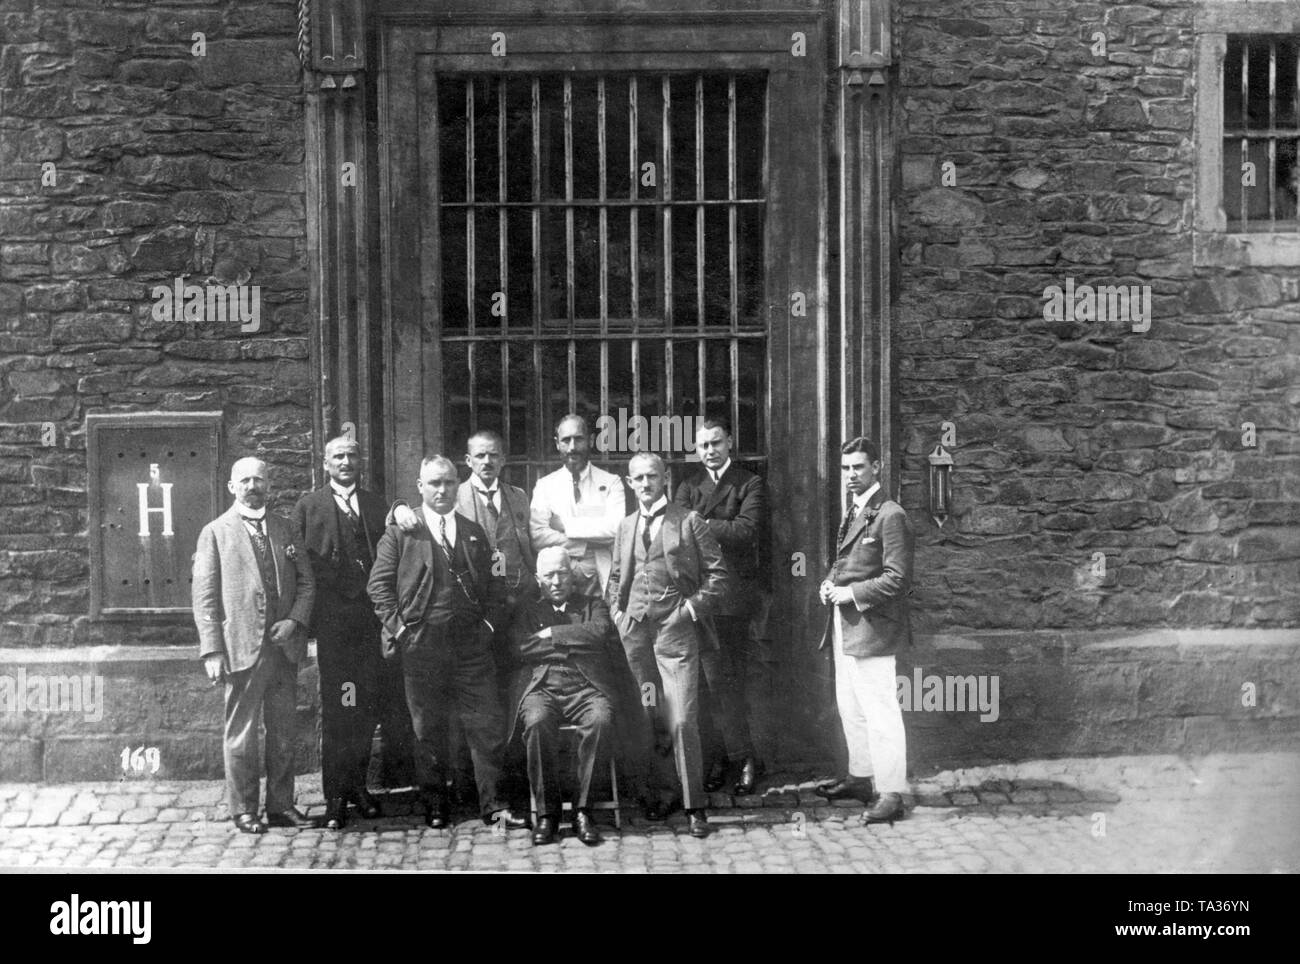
[(165, 164), (1078, 438)]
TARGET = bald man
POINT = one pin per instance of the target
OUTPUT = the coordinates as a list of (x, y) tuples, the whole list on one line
[(253, 590)]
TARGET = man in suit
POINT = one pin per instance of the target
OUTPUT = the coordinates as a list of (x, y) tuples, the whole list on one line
[(502, 511), (439, 604), (252, 592), (561, 640), (340, 526), (579, 507), (668, 577), (733, 504), (868, 623)]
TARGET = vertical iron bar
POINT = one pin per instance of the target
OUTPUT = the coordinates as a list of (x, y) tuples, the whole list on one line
[(603, 215), (503, 262), (539, 394), (1245, 120), (634, 241), (568, 239), (732, 264), (471, 214), (666, 176), (1272, 135), (700, 347)]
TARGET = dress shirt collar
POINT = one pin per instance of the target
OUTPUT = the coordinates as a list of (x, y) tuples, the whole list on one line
[(582, 477), (475, 481), (250, 515), (656, 509), (433, 520), (717, 477), (860, 500)]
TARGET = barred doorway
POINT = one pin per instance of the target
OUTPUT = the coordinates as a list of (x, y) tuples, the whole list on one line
[(608, 214)]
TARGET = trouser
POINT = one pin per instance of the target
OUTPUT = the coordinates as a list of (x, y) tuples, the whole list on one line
[(664, 656), (264, 693), (347, 654), (397, 754), (866, 693), (725, 671), (449, 671), (564, 695)]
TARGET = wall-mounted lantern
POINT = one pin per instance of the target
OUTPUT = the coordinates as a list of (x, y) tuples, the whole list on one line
[(940, 485)]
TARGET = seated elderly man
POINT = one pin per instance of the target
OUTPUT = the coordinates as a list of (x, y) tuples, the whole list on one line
[(562, 640)]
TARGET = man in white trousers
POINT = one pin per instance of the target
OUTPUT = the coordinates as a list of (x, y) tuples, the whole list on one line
[(868, 623)]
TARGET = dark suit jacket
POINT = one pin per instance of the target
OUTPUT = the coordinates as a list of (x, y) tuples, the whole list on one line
[(316, 520), (875, 559), (402, 579), (228, 595), (736, 513), (694, 561), (585, 638)]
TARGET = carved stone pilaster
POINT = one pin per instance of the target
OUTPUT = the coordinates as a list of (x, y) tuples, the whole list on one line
[(332, 46), (865, 154)]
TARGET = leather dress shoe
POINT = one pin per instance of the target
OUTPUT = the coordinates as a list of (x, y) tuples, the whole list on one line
[(656, 811), (697, 823), (289, 818), (850, 788), (367, 806), (507, 819), (886, 810), (584, 828), (716, 777), (248, 823), (750, 771), (435, 813), (545, 832), (336, 814)]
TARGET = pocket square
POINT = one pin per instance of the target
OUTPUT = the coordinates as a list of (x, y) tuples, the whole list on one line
[(869, 539)]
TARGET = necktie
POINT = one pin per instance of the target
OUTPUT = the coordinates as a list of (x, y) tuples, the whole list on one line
[(648, 518), (492, 513), (715, 476), (442, 534), (848, 521), (259, 537), (577, 490), (347, 508)]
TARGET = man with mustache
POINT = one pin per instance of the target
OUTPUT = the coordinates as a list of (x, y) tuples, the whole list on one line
[(253, 590)]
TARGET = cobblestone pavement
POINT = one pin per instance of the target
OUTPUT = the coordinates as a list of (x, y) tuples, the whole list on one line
[(1225, 813)]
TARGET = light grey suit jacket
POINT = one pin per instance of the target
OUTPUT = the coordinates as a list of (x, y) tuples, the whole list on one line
[(229, 599)]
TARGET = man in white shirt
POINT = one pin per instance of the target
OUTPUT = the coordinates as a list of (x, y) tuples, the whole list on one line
[(867, 624), (579, 507)]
